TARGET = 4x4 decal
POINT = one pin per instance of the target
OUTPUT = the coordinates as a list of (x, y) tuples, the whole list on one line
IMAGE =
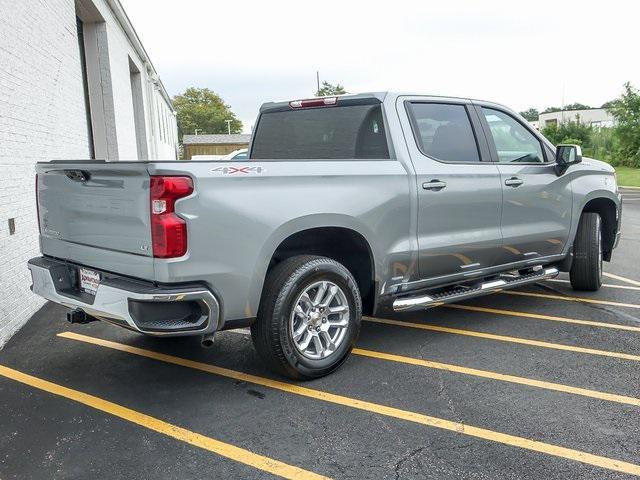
[(239, 170)]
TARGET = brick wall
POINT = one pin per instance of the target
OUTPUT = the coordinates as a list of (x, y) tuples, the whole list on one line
[(42, 116)]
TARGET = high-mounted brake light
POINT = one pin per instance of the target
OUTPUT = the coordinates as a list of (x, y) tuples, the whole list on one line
[(314, 102), (168, 230)]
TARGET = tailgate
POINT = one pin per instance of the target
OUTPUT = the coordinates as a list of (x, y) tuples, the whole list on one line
[(96, 213)]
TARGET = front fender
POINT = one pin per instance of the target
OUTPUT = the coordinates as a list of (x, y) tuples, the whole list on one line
[(589, 183)]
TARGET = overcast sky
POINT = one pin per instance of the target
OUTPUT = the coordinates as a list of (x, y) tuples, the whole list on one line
[(522, 54)]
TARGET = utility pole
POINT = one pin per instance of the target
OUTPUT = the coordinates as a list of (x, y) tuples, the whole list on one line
[(317, 81), (229, 126)]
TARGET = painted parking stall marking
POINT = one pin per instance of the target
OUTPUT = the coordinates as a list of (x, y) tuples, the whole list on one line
[(503, 338), (538, 316), (610, 397), (226, 450), (448, 367), (570, 299), (607, 285), (622, 279), (464, 429)]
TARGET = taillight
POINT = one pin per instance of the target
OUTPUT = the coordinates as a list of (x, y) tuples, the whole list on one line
[(314, 102), (38, 205), (168, 230)]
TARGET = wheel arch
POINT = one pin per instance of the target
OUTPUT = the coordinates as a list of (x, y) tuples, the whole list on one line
[(607, 209), (344, 243)]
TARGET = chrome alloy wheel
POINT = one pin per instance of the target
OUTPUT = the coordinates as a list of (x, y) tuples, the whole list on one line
[(319, 320)]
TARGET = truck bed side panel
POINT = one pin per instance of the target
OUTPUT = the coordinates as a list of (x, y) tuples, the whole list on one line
[(237, 220)]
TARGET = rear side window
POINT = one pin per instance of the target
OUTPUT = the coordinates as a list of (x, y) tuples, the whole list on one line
[(342, 132), (444, 132)]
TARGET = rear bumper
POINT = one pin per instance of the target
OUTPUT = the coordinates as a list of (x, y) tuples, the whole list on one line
[(135, 304)]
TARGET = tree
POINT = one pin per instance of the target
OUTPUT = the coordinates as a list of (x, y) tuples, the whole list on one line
[(569, 132), (571, 106), (204, 110), (327, 90), (530, 114), (576, 106), (626, 111)]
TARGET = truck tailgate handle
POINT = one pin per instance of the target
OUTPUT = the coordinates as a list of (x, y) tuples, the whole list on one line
[(77, 175), (513, 182), (434, 185)]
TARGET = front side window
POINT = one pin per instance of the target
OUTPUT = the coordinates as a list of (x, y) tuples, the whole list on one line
[(339, 132), (444, 132), (514, 143)]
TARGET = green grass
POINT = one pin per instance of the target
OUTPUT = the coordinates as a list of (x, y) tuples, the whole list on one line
[(627, 176)]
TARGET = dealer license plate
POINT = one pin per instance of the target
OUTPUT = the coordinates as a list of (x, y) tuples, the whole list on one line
[(89, 280)]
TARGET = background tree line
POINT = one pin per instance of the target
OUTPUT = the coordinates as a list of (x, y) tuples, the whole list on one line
[(204, 111), (618, 145)]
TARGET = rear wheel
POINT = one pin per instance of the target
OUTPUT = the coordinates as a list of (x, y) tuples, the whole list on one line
[(309, 317), (586, 269)]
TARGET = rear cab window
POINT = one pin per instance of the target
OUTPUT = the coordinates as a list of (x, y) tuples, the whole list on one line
[(444, 132), (342, 131)]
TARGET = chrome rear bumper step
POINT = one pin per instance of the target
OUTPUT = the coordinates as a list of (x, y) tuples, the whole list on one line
[(458, 293)]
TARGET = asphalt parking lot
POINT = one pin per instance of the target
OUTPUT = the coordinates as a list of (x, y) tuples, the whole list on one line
[(540, 382)]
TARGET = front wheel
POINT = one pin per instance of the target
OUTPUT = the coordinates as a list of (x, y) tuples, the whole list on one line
[(309, 317), (586, 269)]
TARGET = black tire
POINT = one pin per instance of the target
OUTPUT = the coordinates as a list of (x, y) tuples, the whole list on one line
[(586, 269), (271, 333)]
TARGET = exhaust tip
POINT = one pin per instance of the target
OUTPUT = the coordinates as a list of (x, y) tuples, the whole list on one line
[(207, 340)]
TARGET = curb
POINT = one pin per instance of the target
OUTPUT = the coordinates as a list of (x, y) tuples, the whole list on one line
[(630, 188)]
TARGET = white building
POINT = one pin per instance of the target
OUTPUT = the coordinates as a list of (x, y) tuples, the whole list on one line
[(75, 83), (596, 117)]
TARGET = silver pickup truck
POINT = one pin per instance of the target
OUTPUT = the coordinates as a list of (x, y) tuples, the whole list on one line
[(349, 205)]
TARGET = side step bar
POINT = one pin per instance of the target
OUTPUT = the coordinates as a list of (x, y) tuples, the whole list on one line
[(457, 293)]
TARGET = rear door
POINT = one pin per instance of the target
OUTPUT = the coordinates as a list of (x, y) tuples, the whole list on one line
[(459, 192), (96, 213), (536, 213)]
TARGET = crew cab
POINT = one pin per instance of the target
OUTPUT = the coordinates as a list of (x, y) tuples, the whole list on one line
[(347, 206)]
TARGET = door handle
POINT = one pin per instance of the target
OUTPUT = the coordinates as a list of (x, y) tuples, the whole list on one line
[(513, 182), (434, 185)]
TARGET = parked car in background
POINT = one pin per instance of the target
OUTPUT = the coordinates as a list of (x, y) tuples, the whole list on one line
[(347, 205), (207, 158), (241, 154)]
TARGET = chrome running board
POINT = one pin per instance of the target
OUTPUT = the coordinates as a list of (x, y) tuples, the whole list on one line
[(458, 292)]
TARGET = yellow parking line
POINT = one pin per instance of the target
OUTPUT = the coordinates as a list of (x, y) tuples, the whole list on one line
[(608, 285), (622, 279), (506, 439), (538, 316), (558, 387), (503, 338), (610, 397), (570, 299), (223, 449)]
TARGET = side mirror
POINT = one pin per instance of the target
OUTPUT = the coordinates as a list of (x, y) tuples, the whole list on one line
[(567, 155)]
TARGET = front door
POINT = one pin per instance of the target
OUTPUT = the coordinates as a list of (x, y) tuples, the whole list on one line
[(536, 212), (459, 191)]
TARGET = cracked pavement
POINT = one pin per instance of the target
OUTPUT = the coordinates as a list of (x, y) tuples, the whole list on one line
[(43, 436)]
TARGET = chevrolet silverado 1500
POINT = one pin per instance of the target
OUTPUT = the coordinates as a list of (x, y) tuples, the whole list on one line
[(347, 206)]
